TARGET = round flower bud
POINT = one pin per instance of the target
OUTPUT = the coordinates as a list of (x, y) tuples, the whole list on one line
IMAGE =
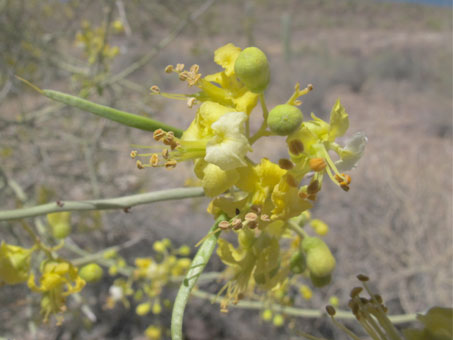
[(284, 119), (91, 272), (252, 68), (60, 230), (320, 261)]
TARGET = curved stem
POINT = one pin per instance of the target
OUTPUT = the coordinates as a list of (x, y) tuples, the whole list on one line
[(199, 261), (124, 202)]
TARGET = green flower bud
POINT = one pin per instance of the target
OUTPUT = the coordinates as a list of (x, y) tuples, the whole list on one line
[(91, 272), (284, 119), (320, 261), (297, 263), (60, 230), (252, 68)]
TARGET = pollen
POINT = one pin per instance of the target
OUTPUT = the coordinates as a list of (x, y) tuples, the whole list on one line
[(317, 164)]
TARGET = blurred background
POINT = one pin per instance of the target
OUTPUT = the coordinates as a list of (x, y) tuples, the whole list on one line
[(389, 62)]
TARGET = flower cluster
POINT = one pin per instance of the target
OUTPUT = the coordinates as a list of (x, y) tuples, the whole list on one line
[(265, 202)]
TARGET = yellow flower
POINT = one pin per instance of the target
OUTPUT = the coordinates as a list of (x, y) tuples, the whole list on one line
[(153, 333), (14, 264), (226, 56), (58, 280)]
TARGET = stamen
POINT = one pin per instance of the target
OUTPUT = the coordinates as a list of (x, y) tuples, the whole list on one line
[(313, 187), (285, 164), (191, 102), (194, 68), (165, 153), (355, 291), (317, 164), (169, 69), (296, 147), (236, 223), (154, 160), (179, 67), (291, 181), (330, 310), (224, 225), (170, 164), (155, 89), (158, 134), (363, 278), (265, 218), (133, 154), (140, 165), (183, 76)]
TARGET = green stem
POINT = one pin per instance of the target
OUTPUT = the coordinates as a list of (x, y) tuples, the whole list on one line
[(122, 117), (294, 311), (262, 130), (124, 202), (199, 262)]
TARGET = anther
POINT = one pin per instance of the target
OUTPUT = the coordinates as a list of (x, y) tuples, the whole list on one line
[(313, 187), (165, 153), (355, 291), (140, 164), (256, 209), (378, 298), (265, 218), (154, 160), (298, 102), (158, 134), (312, 197), (344, 187), (183, 75), (330, 310), (133, 154), (194, 68), (170, 164), (251, 217), (236, 223), (179, 67), (169, 69), (224, 225), (317, 164), (309, 87), (191, 102), (285, 164), (363, 278), (155, 89), (296, 146), (302, 194)]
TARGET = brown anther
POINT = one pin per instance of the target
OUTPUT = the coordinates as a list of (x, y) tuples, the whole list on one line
[(313, 187), (155, 89), (158, 134), (133, 154), (312, 197), (330, 310), (302, 194), (251, 217), (291, 181), (384, 309), (265, 218), (183, 75), (347, 178), (285, 164), (191, 102), (364, 300), (169, 69), (60, 204), (317, 164), (179, 67), (224, 225), (355, 309), (165, 153), (296, 147), (378, 298), (154, 160), (344, 187), (256, 209), (309, 87), (252, 224), (363, 278), (170, 164), (140, 164), (236, 223), (355, 291)]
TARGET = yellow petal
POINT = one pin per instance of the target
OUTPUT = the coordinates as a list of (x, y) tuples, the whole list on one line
[(226, 56)]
